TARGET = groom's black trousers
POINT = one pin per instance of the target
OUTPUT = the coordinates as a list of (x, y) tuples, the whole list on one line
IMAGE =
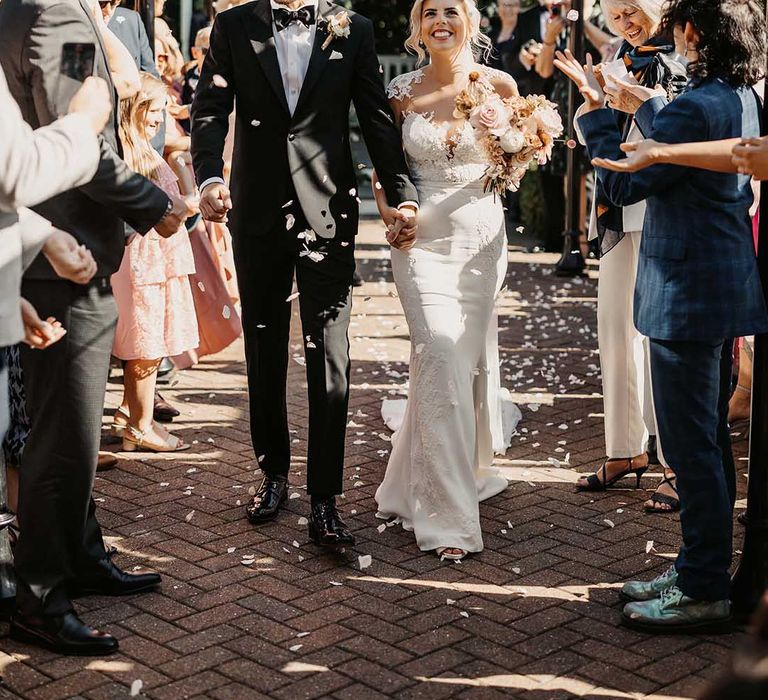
[(266, 266)]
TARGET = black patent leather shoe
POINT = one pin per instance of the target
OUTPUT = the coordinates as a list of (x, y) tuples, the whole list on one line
[(66, 634), (265, 505), (105, 578), (326, 528)]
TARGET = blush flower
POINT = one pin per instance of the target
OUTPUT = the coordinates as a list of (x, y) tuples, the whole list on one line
[(492, 116)]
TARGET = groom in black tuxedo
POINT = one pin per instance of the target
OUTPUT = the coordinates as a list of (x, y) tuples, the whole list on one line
[(294, 70)]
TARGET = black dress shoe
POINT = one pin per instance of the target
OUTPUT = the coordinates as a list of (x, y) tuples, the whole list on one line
[(326, 528), (265, 505), (66, 634), (163, 412), (105, 578)]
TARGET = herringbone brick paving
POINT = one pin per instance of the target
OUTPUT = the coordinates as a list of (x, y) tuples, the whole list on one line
[(250, 612)]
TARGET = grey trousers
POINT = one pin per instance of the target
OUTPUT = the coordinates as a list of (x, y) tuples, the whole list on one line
[(65, 386)]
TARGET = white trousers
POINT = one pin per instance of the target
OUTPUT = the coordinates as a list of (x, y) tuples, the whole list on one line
[(624, 355)]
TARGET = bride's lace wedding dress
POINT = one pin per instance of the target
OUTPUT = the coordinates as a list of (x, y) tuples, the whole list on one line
[(440, 466)]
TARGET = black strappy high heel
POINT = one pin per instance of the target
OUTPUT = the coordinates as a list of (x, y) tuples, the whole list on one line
[(663, 499), (595, 484)]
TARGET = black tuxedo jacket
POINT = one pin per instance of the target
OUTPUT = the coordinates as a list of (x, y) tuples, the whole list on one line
[(309, 152), (32, 35)]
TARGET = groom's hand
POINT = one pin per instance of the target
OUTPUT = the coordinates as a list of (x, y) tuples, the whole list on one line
[(215, 202), (401, 227)]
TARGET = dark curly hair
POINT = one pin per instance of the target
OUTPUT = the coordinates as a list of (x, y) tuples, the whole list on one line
[(733, 37)]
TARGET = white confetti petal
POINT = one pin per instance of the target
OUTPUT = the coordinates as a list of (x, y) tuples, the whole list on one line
[(136, 687), (219, 81), (364, 560), (609, 523)]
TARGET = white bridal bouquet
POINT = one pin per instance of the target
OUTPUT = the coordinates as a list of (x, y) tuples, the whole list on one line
[(514, 131)]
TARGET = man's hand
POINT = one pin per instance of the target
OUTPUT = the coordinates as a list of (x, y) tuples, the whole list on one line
[(215, 202), (641, 155), (402, 226), (172, 221), (92, 100), (39, 334), (69, 259), (751, 157)]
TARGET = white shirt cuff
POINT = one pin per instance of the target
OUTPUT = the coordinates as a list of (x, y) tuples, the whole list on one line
[(211, 181), (415, 205)]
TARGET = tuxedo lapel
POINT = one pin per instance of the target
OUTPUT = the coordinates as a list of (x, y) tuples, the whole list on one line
[(263, 42), (320, 57)]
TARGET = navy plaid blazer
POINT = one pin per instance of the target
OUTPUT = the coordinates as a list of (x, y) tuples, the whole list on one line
[(697, 277)]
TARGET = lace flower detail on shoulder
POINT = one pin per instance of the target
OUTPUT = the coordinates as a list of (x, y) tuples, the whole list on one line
[(491, 74), (401, 87)]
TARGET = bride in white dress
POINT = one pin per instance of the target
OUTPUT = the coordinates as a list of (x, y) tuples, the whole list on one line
[(447, 279)]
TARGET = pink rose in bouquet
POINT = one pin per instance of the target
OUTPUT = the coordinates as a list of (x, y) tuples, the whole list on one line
[(492, 116)]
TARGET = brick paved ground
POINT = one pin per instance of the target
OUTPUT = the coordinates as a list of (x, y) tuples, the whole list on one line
[(251, 613)]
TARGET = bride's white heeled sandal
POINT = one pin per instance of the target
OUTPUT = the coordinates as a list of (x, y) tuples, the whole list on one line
[(451, 553)]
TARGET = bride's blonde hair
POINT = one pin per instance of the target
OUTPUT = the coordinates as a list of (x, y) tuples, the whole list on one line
[(477, 40)]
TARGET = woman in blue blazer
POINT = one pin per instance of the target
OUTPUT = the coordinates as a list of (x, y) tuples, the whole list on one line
[(697, 288)]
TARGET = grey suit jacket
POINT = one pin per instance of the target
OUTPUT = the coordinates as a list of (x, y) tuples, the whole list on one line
[(32, 36), (34, 166), (127, 26)]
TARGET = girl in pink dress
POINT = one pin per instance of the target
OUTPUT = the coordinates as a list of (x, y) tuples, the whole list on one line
[(156, 314)]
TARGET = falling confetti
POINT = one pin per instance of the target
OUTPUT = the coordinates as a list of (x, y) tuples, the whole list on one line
[(290, 222), (255, 122), (293, 296), (219, 81), (572, 16)]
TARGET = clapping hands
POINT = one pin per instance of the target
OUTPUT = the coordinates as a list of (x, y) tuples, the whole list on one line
[(583, 76)]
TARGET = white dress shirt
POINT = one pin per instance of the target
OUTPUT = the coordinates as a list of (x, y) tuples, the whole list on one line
[(294, 49)]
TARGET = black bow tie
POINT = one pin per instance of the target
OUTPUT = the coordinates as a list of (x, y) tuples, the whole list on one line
[(284, 17)]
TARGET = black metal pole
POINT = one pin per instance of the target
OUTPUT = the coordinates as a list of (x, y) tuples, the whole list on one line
[(147, 12), (571, 261), (750, 580)]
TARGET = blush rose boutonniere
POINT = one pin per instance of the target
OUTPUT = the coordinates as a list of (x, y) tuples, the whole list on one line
[(338, 27)]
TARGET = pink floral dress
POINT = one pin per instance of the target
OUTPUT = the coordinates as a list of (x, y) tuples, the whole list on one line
[(156, 313)]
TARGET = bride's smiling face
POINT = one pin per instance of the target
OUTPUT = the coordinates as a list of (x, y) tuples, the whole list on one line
[(444, 26)]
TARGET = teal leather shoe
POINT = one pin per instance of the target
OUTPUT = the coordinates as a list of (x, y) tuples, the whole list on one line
[(675, 613), (648, 590)]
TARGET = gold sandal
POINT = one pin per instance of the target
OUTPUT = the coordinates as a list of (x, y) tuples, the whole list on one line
[(119, 422), (134, 440)]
